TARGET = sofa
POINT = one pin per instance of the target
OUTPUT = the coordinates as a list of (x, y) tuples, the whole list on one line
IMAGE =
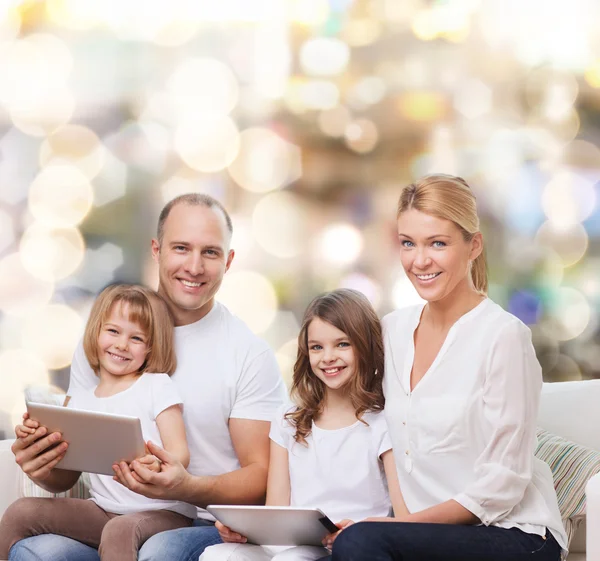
[(568, 409)]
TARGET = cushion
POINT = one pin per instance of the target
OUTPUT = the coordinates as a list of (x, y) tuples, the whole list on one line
[(79, 491), (572, 466)]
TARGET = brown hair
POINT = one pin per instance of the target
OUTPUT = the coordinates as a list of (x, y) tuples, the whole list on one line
[(145, 308), (191, 199), (352, 313), (450, 198)]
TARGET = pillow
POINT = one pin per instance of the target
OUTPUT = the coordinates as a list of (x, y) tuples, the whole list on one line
[(79, 491), (572, 466)]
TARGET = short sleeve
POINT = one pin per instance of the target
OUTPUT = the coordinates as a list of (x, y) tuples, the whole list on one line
[(260, 389), (82, 377), (282, 432), (380, 433), (164, 393)]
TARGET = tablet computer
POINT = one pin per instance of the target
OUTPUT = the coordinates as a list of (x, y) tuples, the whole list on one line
[(96, 440), (275, 525)]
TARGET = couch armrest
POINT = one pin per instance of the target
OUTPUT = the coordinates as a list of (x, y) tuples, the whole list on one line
[(9, 476)]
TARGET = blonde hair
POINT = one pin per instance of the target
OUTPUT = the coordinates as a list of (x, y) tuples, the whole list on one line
[(450, 198), (351, 312), (149, 311)]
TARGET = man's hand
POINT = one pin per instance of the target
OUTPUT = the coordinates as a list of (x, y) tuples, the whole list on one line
[(150, 462), (37, 452), (330, 538), (169, 483), (228, 535)]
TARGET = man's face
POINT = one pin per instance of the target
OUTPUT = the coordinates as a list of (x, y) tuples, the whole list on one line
[(192, 259)]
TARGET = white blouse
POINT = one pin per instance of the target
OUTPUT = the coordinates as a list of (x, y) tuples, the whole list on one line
[(467, 430)]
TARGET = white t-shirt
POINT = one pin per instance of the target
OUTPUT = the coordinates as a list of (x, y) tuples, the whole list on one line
[(223, 371), (467, 430), (340, 471), (146, 398)]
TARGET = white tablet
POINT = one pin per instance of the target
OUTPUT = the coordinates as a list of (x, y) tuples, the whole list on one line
[(96, 440), (275, 525)]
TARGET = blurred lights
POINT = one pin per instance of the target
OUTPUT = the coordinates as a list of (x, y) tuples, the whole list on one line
[(318, 94), (279, 225), (361, 136), (19, 369), (369, 90), (341, 244), (76, 145), (265, 161), (21, 293), (324, 56), (309, 12), (52, 334), (251, 297), (568, 314), (60, 196), (208, 144), (7, 232), (422, 106), (203, 86), (364, 284), (570, 243), (51, 254), (473, 98), (568, 199), (333, 122)]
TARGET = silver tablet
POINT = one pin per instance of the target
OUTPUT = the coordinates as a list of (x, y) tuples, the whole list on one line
[(96, 440), (275, 525)]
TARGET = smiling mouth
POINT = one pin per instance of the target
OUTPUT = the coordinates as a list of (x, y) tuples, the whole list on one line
[(333, 371), (428, 277), (191, 284), (117, 357)]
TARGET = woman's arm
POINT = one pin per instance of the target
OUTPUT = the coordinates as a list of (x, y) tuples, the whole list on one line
[(278, 482), (172, 433)]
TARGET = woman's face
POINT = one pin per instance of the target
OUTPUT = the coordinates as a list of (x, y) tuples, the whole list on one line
[(435, 255)]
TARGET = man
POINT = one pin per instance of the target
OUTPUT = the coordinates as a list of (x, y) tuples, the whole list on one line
[(228, 379)]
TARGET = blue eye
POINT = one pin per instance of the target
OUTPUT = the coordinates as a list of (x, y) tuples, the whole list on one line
[(438, 244), (344, 344), (111, 330), (407, 243), (316, 348), (139, 339)]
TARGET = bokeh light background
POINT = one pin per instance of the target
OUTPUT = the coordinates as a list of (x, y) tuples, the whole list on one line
[(305, 118)]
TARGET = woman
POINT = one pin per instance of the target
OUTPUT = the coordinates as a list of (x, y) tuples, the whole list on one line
[(462, 386)]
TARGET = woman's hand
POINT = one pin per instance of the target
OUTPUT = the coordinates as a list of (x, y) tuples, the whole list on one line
[(228, 535), (330, 538), (149, 461)]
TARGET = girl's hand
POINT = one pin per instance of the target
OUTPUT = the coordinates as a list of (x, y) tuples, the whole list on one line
[(229, 536), (150, 462), (330, 538), (28, 427)]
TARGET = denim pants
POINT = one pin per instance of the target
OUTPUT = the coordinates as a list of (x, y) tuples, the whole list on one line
[(402, 541), (184, 544)]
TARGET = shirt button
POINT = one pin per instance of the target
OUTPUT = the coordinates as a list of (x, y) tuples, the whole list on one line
[(404, 423), (407, 452)]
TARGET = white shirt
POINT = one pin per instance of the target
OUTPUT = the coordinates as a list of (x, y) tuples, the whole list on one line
[(467, 430), (146, 398), (340, 471), (223, 371)]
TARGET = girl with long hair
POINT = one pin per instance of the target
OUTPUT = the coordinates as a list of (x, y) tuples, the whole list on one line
[(331, 449)]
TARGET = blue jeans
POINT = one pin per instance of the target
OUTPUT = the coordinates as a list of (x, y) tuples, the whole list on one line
[(174, 545), (402, 541)]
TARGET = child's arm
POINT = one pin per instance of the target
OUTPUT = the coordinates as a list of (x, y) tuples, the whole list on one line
[(389, 465), (278, 482), (172, 433)]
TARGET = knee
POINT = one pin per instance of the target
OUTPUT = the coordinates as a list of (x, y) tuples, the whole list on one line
[(218, 552), (354, 543), (153, 547), (25, 510), (120, 529)]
